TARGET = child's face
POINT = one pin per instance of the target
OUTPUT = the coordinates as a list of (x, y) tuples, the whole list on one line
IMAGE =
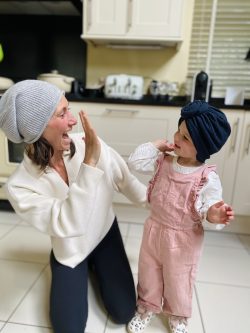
[(183, 144)]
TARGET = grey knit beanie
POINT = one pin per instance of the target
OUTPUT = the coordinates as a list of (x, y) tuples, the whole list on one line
[(26, 108)]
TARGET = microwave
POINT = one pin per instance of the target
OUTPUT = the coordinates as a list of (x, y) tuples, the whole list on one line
[(11, 156)]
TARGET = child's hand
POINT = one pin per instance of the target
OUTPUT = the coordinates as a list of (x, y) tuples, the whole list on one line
[(163, 145), (220, 213)]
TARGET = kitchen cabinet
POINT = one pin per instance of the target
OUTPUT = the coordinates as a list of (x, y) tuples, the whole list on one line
[(233, 162), (241, 192), (226, 159), (133, 21)]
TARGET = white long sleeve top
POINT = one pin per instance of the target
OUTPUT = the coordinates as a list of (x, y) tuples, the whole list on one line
[(143, 160), (78, 216)]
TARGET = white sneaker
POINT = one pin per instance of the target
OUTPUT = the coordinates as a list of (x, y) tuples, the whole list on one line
[(178, 324), (139, 322)]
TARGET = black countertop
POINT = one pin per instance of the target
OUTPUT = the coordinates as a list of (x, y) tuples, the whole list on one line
[(177, 101)]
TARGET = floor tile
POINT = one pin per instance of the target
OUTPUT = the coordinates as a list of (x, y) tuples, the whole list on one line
[(222, 239), (34, 309), (225, 265), (195, 323), (4, 229), (123, 229), (224, 308), (16, 328), (132, 248), (245, 240), (25, 244), (9, 218), (16, 279), (135, 230)]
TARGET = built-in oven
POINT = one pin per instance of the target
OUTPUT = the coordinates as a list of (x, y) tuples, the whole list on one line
[(11, 156)]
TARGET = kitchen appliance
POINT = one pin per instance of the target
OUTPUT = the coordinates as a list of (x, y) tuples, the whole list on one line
[(11, 156), (201, 87), (61, 81), (163, 89), (124, 86), (5, 83)]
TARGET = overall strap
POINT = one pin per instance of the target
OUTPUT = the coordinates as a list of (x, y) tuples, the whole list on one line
[(152, 181)]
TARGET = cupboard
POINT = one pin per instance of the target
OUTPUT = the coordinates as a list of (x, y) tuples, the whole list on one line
[(138, 21)]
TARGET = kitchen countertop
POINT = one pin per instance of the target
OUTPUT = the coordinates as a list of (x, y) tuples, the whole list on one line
[(177, 101)]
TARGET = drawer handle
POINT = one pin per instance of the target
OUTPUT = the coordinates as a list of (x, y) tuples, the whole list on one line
[(130, 4), (108, 110), (247, 140), (89, 16), (234, 135)]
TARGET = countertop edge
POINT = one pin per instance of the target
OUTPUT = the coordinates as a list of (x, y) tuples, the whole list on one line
[(149, 101)]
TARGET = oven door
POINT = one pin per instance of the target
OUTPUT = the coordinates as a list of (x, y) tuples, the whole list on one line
[(11, 156)]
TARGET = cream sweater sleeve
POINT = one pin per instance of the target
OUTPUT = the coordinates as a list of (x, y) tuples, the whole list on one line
[(48, 208)]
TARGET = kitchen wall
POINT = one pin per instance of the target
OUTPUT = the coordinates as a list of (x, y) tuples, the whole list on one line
[(167, 64), (35, 44)]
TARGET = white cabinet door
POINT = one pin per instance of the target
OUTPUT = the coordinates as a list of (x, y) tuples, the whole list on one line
[(105, 17), (132, 20), (241, 195), (226, 159), (156, 18)]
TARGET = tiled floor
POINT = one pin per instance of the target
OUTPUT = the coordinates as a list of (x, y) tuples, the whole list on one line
[(222, 294)]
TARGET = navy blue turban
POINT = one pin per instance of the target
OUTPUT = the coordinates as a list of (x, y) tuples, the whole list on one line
[(207, 126)]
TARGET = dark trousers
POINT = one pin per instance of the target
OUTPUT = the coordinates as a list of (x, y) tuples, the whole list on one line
[(69, 287)]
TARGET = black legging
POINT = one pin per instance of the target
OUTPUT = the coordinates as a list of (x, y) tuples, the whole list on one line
[(69, 287)]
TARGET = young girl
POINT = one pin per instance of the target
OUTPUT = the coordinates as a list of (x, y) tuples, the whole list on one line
[(184, 194)]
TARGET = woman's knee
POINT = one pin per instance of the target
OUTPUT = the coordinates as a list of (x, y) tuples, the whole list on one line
[(121, 311)]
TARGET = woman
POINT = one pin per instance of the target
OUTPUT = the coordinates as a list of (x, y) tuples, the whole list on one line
[(64, 187)]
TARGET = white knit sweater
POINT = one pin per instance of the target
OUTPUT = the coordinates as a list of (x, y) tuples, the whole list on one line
[(78, 216)]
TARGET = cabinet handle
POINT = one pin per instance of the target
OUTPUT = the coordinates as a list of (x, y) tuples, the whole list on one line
[(234, 135), (130, 6), (108, 110), (89, 15), (247, 140)]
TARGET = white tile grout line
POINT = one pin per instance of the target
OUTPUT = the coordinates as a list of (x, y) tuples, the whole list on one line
[(9, 231), (199, 308), (224, 284)]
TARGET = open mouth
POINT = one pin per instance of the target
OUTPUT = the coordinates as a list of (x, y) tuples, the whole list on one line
[(65, 136)]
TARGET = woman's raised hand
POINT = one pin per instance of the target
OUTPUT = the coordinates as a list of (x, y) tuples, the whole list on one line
[(92, 144)]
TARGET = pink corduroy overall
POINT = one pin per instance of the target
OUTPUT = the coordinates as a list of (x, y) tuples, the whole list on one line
[(172, 240)]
